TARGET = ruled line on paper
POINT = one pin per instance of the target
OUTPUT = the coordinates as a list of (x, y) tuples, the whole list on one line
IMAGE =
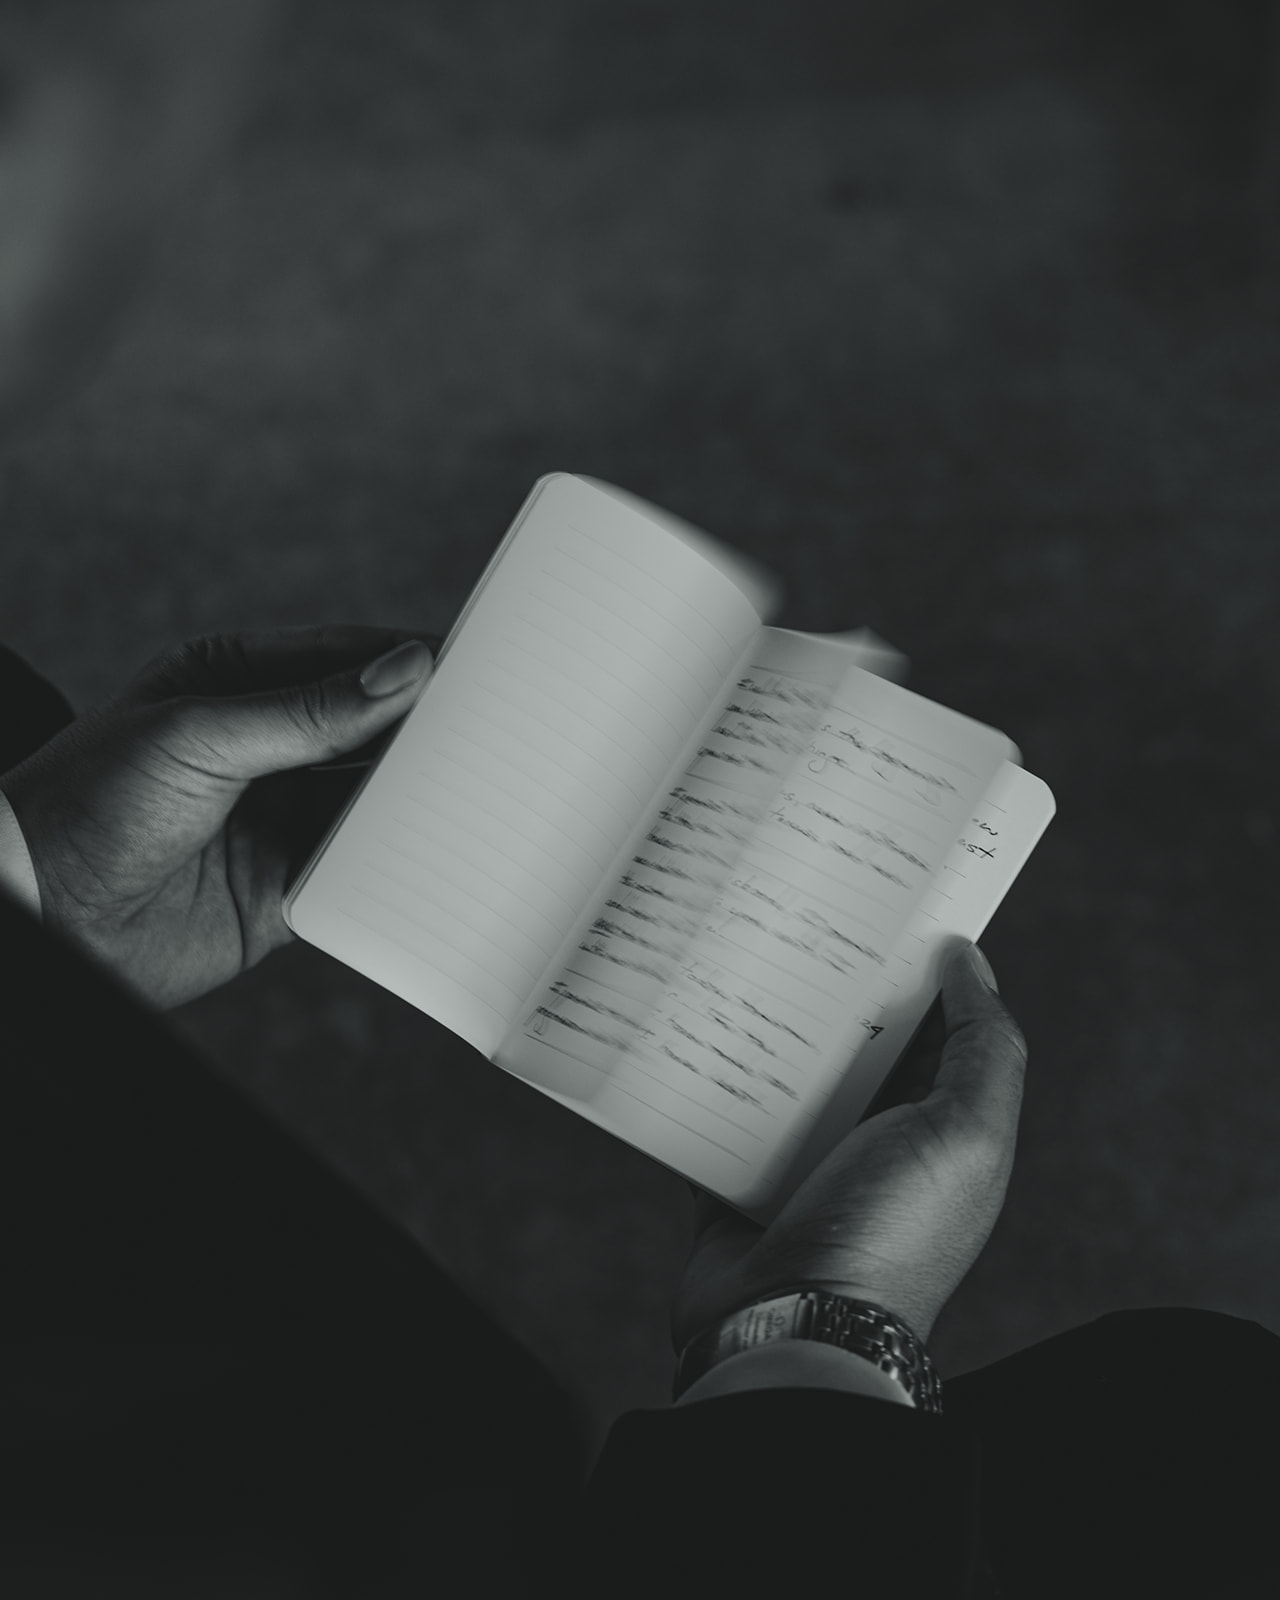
[(469, 888), (885, 816), (752, 983), (632, 1065), (555, 733), (595, 726), (435, 971), (619, 1088), (899, 795), (748, 865), (409, 827), (581, 816), (697, 1133), (468, 800), (778, 967), (615, 649), (759, 801), (717, 672), (783, 672), (763, 843), (460, 922), (742, 950), (597, 668), (618, 555), (661, 1017), (578, 783), (898, 738), (694, 619)]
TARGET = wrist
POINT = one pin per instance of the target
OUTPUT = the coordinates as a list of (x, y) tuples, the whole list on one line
[(796, 1364)]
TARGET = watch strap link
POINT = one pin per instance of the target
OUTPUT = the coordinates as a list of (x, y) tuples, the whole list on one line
[(860, 1326)]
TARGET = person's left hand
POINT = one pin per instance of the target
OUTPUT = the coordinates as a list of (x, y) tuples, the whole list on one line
[(165, 825)]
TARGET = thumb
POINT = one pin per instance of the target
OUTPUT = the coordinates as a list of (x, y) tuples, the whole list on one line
[(254, 735), (985, 1056)]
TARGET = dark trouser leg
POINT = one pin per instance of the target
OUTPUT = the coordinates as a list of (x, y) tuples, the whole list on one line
[(1135, 1455)]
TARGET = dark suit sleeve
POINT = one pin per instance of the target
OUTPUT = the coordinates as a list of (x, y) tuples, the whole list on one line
[(146, 1199), (212, 1340), (142, 1192), (773, 1491)]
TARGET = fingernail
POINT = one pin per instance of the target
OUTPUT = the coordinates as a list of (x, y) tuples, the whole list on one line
[(404, 665), (984, 969)]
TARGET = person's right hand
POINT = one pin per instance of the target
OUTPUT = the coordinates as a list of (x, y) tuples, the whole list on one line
[(900, 1210)]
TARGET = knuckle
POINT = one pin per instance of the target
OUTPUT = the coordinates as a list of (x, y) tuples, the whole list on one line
[(194, 655), (309, 709), (180, 726), (992, 1142), (945, 1122), (997, 1030), (979, 1122), (1013, 1038), (168, 737), (177, 669), (160, 671), (981, 1149)]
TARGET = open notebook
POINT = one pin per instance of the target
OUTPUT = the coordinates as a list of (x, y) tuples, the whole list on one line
[(693, 876)]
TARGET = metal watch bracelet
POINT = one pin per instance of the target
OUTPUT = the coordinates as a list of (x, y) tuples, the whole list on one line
[(866, 1329)]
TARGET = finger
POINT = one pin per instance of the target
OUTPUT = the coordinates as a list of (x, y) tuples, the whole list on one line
[(248, 662), (242, 737), (985, 1057)]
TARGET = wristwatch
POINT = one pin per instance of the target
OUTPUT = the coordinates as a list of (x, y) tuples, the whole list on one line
[(866, 1329)]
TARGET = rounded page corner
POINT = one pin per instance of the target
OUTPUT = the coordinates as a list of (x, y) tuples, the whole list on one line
[(287, 903), (552, 480), (1050, 800)]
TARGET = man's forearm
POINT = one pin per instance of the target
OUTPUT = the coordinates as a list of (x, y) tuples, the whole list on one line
[(797, 1364)]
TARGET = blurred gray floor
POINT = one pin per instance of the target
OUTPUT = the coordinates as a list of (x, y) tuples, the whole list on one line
[(966, 320)]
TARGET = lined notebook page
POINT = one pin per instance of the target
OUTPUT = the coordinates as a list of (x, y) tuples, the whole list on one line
[(706, 1002), (576, 676)]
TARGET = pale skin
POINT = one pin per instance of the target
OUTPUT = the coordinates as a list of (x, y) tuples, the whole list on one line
[(163, 826)]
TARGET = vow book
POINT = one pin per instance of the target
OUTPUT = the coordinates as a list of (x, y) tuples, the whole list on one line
[(692, 876)]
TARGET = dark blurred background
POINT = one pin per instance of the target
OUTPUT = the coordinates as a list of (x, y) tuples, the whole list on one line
[(965, 320)]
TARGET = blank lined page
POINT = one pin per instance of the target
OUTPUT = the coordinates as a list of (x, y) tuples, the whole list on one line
[(572, 682)]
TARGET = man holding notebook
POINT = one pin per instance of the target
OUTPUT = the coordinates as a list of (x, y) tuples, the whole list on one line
[(236, 1363), (230, 1375)]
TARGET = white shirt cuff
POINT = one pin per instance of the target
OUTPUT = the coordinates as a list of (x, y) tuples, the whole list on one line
[(17, 875)]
